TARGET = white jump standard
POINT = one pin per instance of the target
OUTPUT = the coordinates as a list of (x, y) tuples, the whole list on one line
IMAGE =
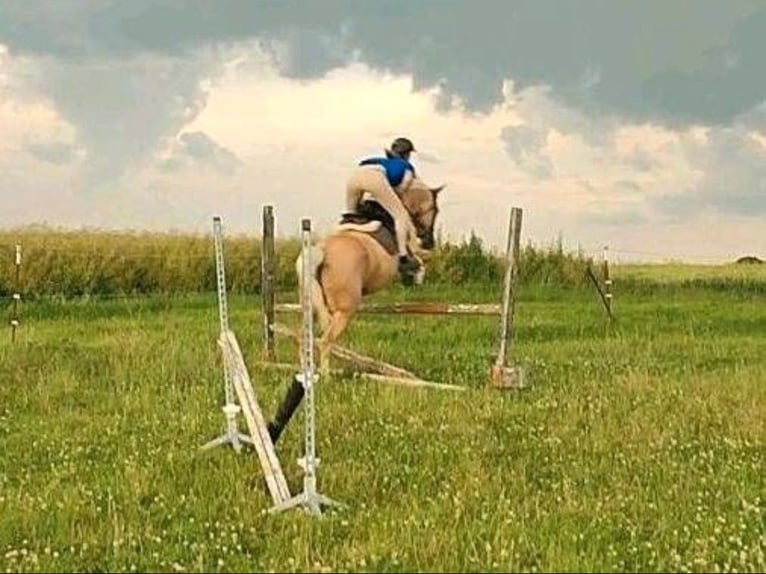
[(310, 498), (230, 409), (237, 380)]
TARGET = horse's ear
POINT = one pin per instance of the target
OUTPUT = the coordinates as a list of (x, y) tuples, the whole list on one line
[(437, 190)]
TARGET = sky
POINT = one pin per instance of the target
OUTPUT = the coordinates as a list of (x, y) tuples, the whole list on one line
[(640, 125)]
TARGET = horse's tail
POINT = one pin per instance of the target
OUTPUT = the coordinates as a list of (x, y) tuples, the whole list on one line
[(317, 293)]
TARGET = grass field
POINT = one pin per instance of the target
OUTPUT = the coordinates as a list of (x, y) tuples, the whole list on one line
[(639, 446)]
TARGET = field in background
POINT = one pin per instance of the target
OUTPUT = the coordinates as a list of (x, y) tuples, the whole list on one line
[(69, 264), (639, 446), (670, 273)]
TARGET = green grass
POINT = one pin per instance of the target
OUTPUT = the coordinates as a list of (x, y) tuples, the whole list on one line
[(677, 273), (639, 446), (731, 279)]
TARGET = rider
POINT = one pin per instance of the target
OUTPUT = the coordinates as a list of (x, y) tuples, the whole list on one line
[(385, 179)]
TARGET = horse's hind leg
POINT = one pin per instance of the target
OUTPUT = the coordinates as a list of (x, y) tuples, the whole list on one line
[(341, 286), (322, 313), (338, 323)]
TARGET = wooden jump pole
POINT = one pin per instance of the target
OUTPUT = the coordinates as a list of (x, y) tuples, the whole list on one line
[(491, 309), (504, 374), (256, 424), (374, 369), (373, 377)]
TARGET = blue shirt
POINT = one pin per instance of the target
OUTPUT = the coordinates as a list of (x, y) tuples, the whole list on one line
[(395, 168)]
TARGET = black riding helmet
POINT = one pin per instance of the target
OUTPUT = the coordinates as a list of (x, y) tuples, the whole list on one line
[(401, 147)]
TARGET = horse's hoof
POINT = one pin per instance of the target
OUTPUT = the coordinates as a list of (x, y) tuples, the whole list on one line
[(408, 279), (274, 432)]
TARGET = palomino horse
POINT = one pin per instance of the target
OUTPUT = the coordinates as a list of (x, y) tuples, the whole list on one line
[(353, 262), (357, 260)]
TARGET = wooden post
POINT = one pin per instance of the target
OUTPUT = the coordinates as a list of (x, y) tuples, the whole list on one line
[(604, 300), (415, 308), (256, 424), (504, 374), (267, 282), (16, 296), (607, 283), (382, 372)]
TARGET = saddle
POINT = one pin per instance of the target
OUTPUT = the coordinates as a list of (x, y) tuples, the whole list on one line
[(373, 219)]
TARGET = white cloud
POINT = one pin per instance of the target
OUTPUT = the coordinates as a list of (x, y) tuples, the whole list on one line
[(198, 149)]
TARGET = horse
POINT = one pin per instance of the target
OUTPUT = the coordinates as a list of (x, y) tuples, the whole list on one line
[(357, 259)]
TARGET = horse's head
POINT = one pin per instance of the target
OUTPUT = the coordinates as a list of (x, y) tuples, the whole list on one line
[(421, 202)]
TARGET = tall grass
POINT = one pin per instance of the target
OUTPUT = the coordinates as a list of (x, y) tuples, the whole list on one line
[(73, 264), (101, 263)]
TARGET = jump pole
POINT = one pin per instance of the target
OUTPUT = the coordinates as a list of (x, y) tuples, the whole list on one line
[(237, 380), (481, 309), (504, 374), (373, 369)]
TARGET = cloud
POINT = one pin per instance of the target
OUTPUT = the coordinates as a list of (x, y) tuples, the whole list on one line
[(627, 185), (681, 62), (754, 118), (129, 83), (641, 160), (426, 157), (199, 149), (629, 171), (614, 218), (122, 111), (554, 140), (525, 144), (733, 166), (53, 152)]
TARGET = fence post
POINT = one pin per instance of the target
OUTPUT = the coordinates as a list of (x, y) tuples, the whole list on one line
[(607, 282), (505, 375), (16, 295), (267, 282)]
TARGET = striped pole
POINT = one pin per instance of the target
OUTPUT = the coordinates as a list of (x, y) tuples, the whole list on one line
[(607, 282), (16, 296)]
